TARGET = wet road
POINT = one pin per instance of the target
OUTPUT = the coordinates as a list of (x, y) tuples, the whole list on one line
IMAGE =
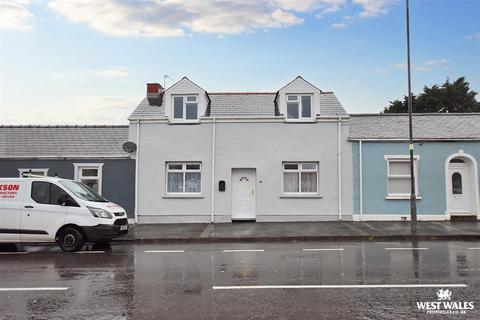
[(303, 280)]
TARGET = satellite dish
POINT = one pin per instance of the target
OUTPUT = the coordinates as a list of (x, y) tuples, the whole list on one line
[(129, 147)]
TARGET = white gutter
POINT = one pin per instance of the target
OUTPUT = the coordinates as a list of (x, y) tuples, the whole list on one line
[(360, 173), (339, 154), (213, 170), (136, 170)]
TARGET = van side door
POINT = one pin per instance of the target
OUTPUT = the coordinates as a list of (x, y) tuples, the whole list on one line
[(42, 214), (11, 205)]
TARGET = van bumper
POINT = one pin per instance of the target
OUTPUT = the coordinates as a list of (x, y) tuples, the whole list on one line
[(106, 232)]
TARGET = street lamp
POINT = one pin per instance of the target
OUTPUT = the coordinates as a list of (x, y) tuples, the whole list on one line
[(413, 196)]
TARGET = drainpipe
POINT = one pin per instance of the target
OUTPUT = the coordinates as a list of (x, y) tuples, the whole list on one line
[(360, 173), (339, 154), (136, 170), (213, 170)]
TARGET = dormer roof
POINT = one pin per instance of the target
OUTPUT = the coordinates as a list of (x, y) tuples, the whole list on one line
[(244, 104)]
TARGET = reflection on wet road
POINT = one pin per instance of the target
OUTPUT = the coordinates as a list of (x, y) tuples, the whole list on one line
[(294, 280)]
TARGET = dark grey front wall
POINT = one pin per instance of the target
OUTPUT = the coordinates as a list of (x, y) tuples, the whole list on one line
[(118, 176)]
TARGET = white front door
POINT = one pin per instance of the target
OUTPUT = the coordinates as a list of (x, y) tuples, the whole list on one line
[(460, 189), (243, 194)]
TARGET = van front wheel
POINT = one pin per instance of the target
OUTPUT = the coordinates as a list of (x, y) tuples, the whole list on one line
[(71, 239)]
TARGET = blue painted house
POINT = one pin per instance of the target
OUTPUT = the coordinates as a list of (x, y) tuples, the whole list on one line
[(447, 152)]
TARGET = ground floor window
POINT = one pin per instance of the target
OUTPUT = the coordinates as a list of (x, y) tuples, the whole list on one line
[(89, 174), (300, 177), (184, 177), (33, 171), (398, 176)]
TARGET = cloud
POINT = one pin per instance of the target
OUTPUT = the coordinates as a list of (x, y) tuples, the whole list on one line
[(438, 62), (419, 68), (97, 109), (172, 18), (339, 25), (373, 8), (425, 66), (475, 36), (114, 72), (111, 72), (14, 15)]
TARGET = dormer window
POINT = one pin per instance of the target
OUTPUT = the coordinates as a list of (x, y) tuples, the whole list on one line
[(185, 108), (299, 107)]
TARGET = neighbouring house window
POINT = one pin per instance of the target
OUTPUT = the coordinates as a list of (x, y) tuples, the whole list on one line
[(299, 107), (185, 108), (34, 171), (89, 174), (398, 176), (300, 177), (184, 177)]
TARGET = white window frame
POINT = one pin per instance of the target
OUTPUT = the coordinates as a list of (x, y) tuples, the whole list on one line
[(78, 177), (183, 171), (299, 170), (300, 107), (184, 111), (26, 170), (403, 159)]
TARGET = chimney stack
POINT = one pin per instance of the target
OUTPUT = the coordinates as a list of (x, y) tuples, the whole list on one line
[(154, 94)]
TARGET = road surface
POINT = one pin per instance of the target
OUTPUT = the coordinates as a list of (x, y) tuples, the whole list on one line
[(292, 280)]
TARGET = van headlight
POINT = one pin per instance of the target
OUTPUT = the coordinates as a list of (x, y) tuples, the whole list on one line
[(100, 213)]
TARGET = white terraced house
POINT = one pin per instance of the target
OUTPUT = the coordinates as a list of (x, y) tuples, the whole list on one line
[(254, 156)]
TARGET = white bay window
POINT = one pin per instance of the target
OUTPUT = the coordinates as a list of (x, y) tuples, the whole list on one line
[(299, 107), (89, 174), (300, 177), (398, 176), (33, 171), (185, 108), (184, 177)]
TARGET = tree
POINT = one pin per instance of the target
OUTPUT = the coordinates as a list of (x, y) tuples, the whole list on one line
[(449, 97)]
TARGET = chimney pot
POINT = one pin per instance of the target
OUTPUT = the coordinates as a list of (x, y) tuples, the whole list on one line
[(154, 88), (154, 94)]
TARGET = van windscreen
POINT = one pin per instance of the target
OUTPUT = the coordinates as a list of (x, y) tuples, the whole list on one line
[(82, 191)]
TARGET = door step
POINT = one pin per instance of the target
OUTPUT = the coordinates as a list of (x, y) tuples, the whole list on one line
[(463, 217)]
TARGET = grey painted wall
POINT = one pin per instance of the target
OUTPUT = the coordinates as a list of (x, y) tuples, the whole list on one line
[(118, 176), (263, 146)]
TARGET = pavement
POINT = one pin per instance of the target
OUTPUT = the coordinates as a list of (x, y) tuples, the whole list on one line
[(301, 231), (243, 281)]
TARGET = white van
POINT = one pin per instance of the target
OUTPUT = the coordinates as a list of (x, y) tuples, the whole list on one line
[(47, 209)]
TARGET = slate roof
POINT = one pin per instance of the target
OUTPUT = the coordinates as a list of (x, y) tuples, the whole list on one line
[(436, 126), (63, 141), (330, 106), (242, 104), (146, 111)]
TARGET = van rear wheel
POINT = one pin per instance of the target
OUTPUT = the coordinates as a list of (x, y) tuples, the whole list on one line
[(71, 239)]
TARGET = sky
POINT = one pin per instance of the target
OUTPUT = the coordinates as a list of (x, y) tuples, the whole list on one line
[(87, 61)]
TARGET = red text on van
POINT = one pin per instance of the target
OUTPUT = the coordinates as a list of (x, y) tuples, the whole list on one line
[(9, 187)]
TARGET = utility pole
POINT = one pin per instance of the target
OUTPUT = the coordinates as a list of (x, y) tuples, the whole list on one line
[(413, 196)]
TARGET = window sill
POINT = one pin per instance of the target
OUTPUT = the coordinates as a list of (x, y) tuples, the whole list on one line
[(300, 121), (401, 197), (183, 196), (184, 121), (307, 196)]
